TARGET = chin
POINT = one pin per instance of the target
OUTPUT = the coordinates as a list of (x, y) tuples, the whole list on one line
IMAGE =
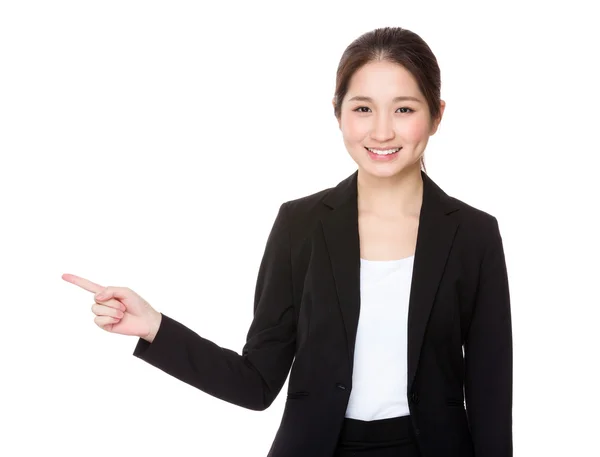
[(382, 171)]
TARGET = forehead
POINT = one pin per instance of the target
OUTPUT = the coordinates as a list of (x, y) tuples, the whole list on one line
[(382, 79)]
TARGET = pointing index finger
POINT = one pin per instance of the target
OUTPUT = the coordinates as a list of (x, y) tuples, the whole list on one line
[(83, 283)]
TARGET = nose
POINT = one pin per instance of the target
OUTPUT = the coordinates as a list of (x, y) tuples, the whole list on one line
[(383, 128)]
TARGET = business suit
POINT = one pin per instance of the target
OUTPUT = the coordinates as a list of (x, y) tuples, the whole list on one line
[(306, 311)]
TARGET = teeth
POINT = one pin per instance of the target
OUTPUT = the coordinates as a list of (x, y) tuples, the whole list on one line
[(385, 152)]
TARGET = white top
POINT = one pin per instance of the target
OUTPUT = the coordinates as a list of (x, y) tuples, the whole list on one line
[(379, 378)]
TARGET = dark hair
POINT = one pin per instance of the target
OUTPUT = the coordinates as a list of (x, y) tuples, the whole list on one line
[(397, 45)]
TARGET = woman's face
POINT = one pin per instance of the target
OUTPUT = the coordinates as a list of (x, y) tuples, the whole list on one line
[(384, 110)]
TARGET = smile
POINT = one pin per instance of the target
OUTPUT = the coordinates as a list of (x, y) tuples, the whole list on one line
[(383, 151)]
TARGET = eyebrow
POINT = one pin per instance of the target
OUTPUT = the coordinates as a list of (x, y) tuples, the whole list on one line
[(362, 98)]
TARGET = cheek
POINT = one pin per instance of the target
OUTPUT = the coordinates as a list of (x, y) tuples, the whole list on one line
[(415, 130), (353, 129)]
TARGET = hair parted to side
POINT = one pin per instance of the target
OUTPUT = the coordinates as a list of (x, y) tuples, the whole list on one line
[(397, 45)]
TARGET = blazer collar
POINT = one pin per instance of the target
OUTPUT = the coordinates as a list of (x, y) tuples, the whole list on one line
[(347, 191), (435, 234)]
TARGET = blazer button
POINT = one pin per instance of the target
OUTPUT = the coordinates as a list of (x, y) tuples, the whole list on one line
[(414, 397), (339, 385)]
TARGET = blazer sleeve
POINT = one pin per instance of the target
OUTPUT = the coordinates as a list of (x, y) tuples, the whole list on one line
[(488, 356), (253, 379)]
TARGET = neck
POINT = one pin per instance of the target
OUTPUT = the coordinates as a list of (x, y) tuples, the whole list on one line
[(400, 195)]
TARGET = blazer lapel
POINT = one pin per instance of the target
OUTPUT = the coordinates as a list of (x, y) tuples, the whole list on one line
[(434, 240)]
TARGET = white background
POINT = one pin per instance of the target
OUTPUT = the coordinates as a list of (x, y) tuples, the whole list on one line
[(149, 145)]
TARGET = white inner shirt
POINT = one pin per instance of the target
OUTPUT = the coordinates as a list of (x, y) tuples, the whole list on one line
[(380, 356)]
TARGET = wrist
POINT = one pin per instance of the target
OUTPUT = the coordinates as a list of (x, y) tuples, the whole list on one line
[(154, 326)]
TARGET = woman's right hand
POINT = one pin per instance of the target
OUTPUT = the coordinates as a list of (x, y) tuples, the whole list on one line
[(120, 309)]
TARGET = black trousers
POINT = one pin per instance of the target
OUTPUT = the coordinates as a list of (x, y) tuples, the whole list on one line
[(393, 437)]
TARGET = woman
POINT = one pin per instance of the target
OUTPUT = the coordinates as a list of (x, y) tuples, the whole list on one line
[(389, 296)]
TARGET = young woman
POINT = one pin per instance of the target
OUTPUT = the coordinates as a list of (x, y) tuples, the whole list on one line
[(389, 296)]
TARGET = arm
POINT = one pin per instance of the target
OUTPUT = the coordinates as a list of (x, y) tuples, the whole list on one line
[(488, 356), (254, 378)]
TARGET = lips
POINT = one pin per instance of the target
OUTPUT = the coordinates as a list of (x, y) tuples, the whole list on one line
[(382, 158), (389, 151)]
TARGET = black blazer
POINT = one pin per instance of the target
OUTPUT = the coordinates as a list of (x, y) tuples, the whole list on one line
[(306, 311)]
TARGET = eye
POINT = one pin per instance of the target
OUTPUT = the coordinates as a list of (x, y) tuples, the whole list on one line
[(360, 108)]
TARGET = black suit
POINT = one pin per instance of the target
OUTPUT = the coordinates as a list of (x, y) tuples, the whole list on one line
[(306, 311)]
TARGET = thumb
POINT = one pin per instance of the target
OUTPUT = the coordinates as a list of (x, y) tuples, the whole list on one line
[(99, 296), (113, 292)]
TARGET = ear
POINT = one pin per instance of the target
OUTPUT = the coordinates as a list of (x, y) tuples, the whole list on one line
[(437, 121), (339, 123)]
